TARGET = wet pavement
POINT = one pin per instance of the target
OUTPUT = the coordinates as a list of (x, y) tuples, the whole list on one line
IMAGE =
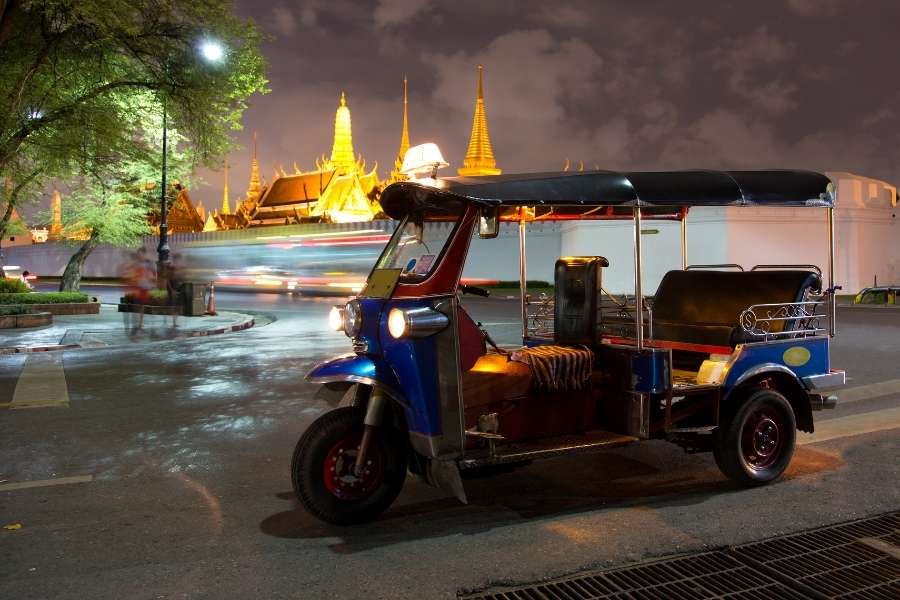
[(166, 474)]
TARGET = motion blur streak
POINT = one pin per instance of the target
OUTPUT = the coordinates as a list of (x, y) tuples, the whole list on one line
[(335, 262)]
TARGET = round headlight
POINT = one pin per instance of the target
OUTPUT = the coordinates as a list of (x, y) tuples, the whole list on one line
[(336, 318), (397, 323), (352, 318)]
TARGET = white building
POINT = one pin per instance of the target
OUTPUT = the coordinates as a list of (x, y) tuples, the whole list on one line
[(866, 232)]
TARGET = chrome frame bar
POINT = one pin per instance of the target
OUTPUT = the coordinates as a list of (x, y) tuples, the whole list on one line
[(523, 277), (806, 313), (832, 312), (638, 291), (684, 262)]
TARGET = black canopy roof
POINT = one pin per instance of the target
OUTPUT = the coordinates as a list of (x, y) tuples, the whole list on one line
[(674, 189)]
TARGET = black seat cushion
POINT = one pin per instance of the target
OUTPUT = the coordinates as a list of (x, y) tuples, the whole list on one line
[(703, 307)]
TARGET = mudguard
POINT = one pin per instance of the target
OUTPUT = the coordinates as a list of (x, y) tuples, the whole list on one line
[(358, 368)]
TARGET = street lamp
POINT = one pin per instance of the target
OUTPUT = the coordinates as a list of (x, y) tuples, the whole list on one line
[(211, 51)]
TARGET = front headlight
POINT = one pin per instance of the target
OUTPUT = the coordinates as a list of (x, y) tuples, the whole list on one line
[(416, 322), (336, 318), (352, 318), (397, 323)]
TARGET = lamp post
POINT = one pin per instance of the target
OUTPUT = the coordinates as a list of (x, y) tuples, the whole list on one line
[(212, 52)]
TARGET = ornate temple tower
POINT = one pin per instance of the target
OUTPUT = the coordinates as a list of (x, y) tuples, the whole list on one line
[(342, 157), (226, 207), (396, 175), (255, 186), (479, 156), (55, 216)]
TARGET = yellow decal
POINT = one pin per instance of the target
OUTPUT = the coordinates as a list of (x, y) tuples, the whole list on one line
[(796, 356)]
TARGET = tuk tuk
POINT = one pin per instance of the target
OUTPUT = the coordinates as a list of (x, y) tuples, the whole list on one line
[(720, 359)]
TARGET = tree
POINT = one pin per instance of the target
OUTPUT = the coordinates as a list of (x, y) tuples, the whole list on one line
[(73, 71), (111, 201)]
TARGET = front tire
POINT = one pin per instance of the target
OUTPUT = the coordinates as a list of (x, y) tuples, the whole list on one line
[(755, 444), (321, 468)]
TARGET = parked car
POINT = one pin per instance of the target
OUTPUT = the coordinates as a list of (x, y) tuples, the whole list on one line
[(878, 295)]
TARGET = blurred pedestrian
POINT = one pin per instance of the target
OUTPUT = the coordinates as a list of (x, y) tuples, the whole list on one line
[(25, 279), (173, 287), (139, 275)]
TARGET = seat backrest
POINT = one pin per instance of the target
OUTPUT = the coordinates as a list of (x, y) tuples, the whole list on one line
[(577, 281), (719, 297)]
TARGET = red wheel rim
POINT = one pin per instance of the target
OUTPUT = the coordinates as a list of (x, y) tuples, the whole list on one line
[(338, 470), (762, 438)]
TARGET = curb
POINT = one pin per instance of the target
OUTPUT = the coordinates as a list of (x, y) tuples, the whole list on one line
[(188, 334), (32, 349)]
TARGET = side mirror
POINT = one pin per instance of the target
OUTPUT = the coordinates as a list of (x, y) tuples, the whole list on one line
[(489, 223)]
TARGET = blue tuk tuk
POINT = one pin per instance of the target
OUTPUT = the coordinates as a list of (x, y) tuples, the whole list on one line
[(719, 359)]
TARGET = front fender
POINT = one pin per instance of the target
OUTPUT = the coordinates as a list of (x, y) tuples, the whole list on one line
[(358, 368)]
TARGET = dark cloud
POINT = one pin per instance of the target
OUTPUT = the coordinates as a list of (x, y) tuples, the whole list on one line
[(615, 84)]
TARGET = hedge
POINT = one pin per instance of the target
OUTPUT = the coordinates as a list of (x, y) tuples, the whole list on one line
[(12, 286), (158, 297), (43, 298), (18, 309)]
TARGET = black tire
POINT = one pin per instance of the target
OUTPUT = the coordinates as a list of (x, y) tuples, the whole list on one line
[(333, 430), (754, 443)]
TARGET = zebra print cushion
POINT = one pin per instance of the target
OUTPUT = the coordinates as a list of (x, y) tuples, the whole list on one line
[(557, 368)]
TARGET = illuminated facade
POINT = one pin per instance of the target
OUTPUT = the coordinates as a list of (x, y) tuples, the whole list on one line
[(479, 155)]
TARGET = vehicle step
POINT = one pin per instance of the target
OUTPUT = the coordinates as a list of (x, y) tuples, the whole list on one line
[(589, 441)]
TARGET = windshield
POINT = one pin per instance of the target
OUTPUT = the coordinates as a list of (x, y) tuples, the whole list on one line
[(417, 244)]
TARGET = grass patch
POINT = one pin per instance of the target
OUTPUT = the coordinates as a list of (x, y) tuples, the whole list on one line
[(13, 286), (43, 298), (16, 309)]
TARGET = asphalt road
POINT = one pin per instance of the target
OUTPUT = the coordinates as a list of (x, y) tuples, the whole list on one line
[(177, 457)]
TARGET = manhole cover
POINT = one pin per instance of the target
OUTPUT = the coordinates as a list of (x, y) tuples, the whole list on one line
[(853, 561)]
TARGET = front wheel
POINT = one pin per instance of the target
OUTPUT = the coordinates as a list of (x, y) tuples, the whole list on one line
[(755, 445), (322, 468)]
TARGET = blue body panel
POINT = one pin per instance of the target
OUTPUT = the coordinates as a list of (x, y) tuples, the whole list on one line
[(650, 372), (407, 367), (802, 356)]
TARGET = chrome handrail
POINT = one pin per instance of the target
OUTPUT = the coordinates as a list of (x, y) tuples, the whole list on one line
[(804, 315), (777, 267), (721, 266)]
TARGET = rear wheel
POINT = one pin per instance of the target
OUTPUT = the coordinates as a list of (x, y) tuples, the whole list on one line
[(322, 470), (755, 444)]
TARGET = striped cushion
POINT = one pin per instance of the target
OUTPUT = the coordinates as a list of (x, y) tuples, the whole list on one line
[(557, 368)]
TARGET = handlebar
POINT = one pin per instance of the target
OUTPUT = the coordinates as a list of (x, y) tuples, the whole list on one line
[(475, 291)]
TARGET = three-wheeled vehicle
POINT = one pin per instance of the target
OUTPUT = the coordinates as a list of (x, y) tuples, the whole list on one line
[(720, 359)]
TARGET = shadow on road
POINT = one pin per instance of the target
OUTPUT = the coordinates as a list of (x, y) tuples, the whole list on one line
[(652, 476)]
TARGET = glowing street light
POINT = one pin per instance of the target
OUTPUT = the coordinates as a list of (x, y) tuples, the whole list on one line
[(212, 50)]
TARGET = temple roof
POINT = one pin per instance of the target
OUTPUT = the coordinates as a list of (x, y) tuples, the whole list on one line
[(297, 188)]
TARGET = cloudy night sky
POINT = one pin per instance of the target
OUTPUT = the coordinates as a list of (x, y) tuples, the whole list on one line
[(621, 85)]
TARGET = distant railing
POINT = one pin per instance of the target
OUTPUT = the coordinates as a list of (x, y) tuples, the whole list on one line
[(784, 320), (539, 315)]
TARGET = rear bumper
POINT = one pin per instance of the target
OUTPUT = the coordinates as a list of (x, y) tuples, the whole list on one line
[(826, 381)]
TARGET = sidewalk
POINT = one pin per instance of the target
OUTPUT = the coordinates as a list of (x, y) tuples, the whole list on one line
[(109, 329)]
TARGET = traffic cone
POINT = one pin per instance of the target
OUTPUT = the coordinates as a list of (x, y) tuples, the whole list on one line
[(211, 303)]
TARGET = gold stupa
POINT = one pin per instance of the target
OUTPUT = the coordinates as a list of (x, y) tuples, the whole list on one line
[(479, 156)]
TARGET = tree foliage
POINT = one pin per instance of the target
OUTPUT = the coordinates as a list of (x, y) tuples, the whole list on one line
[(79, 77)]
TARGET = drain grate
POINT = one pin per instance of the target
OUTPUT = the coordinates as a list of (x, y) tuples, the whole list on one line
[(852, 561), (702, 576)]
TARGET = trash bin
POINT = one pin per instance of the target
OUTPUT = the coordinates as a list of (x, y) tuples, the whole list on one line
[(192, 297)]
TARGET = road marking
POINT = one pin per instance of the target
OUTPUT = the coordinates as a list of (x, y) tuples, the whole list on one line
[(22, 485), (868, 392), (877, 420), (42, 382)]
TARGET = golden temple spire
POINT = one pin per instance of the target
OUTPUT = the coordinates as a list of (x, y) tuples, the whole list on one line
[(479, 156), (255, 186), (226, 208), (396, 175), (342, 157)]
